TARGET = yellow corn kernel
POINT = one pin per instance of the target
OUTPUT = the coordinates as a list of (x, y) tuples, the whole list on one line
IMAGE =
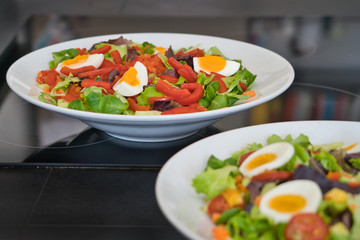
[(233, 197), (337, 195)]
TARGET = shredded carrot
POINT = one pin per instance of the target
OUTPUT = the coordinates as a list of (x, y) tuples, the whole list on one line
[(220, 232), (257, 200), (46, 89), (353, 207), (250, 93), (215, 216)]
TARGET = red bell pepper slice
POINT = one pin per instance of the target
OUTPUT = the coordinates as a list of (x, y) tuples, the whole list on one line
[(66, 70), (223, 87), (174, 63), (52, 77), (170, 90), (162, 98), (101, 50), (197, 52), (243, 86), (106, 64), (85, 83), (136, 107), (197, 93), (116, 56), (188, 73), (185, 109), (95, 73), (169, 78)]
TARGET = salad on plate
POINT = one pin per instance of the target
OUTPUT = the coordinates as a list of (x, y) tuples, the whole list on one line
[(120, 76), (286, 189)]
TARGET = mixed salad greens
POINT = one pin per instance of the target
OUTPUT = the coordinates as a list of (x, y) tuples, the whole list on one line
[(102, 79), (235, 198)]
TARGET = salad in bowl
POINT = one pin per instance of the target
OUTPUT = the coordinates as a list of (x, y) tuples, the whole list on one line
[(120, 76)]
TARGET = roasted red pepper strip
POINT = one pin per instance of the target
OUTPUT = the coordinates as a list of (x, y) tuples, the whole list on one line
[(85, 83), (272, 176), (170, 90), (185, 109), (196, 90), (101, 50), (223, 87), (188, 73), (95, 73), (243, 86), (136, 107), (169, 78), (116, 56), (197, 52), (174, 63), (52, 77), (66, 70), (162, 98), (106, 64)]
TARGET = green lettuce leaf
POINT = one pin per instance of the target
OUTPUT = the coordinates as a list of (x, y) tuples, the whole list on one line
[(212, 182), (143, 98), (62, 56)]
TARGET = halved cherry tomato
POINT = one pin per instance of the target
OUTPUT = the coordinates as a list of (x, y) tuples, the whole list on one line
[(136, 107), (272, 176), (218, 205), (306, 226)]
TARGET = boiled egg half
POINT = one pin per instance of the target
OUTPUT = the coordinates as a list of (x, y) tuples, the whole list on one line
[(289, 198), (269, 157), (353, 148), (215, 64), (133, 81), (79, 61)]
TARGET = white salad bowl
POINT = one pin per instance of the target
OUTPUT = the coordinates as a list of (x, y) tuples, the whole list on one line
[(178, 200), (274, 75)]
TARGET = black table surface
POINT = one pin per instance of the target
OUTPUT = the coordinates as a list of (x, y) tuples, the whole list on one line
[(80, 183)]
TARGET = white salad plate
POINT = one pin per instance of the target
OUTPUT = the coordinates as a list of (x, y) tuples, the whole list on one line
[(178, 200), (274, 75)]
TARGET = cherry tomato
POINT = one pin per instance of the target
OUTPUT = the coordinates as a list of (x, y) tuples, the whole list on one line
[(218, 205), (306, 226)]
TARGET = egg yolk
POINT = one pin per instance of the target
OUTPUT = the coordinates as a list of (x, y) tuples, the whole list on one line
[(260, 160), (211, 63), (287, 203), (76, 60), (161, 50), (130, 77), (348, 148)]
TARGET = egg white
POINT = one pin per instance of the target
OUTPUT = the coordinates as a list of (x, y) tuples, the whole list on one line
[(283, 151), (354, 149), (94, 60), (127, 90), (308, 189), (231, 67)]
